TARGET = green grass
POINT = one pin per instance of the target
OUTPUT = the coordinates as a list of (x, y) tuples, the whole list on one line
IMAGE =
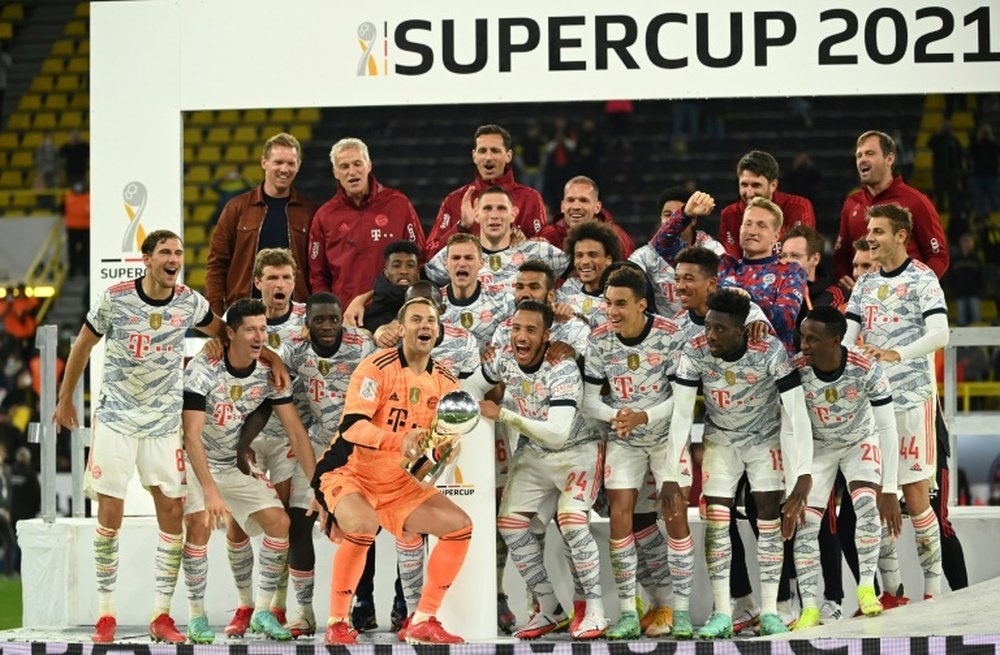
[(10, 603)]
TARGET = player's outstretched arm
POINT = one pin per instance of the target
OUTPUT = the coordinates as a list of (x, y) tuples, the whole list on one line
[(796, 456), (215, 507), (888, 438), (551, 433), (593, 404), (65, 414), (254, 423), (297, 437)]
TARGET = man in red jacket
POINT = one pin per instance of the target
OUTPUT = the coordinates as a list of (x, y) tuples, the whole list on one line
[(876, 159), (350, 231), (758, 176), (492, 156), (581, 204)]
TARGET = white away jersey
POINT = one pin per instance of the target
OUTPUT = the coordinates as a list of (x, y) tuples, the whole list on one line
[(591, 308), (282, 333), (142, 391), (573, 332), (663, 276), (535, 391), (480, 314), (741, 397), (891, 309), (499, 271), (321, 382), (638, 372), (840, 403), (229, 399), (457, 351)]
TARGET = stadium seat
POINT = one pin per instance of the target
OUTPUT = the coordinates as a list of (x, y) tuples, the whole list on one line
[(194, 235), (19, 121), (32, 140), (236, 154), (43, 84), (11, 179), (218, 136), (202, 213), (228, 117), (188, 154), (199, 256), (84, 47), (202, 118), (192, 193), (63, 48), (283, 116), (80, 101), (195, 277), (8, 141), (245, 134), (53, 66), (209, 155), (3, 164), (82, 10), (255, 116), (76, 28), (44, 121), (192, 136), (72, 120), (198, 174), (6, 30), (79, 65), (302, 132), (56, 102), (23, 159), (30, 102), (253, 173), (23, 200), (67, 83), (5, 199), (307, 115), (13, 12)]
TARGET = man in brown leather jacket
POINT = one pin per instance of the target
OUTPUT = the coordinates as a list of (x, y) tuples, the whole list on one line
[(273, 215)]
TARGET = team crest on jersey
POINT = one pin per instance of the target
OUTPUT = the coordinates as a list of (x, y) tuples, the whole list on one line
[(588, 304), (236, 392), (730, 377), (525, 387), (883, 292), (155, 321), (831, 395), (633, 362), (273, 339), (414, 395), (495, 263), (324, 367), (465, 318)]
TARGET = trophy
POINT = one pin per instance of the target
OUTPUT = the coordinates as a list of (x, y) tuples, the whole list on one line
[(457, 414)]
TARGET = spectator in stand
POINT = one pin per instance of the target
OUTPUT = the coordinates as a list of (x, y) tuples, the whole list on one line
[(965, 276), (757, 173), (984, 156), (76, 208), (559, 161), (492, 156), (875, 160), (273, 215), (228, 187), (76, 158), (528, 156), (46, 164), (581, 204), (20, 321), (947, 168), (352, 229)]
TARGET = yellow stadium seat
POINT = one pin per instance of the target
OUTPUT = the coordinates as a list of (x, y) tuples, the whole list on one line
[(200, 255), (194, 235), (202, 118), (192, 193), (218, 135), (76, 28), (22, 159), (203, 213), (56, 102), (3, 164), (63, 48), (13, 11), (194, 277), (192, 135), (245, 134), (11, 179), (30, 102), (19, 121), (79, 65), (82, 10), (43, 83), (268, 131), (307, 115), (283, 116), (53, 66), (228, 116), (255, 116), (67, 83), (4, 199), (302, 132), (198, 174), (188, 154), (253, 173), (84, 47), (32, 139), (208, 194), (23, 200), (8, 141), (209, 155), (80, 101), (44, 121), (6, 31), (236, 154)]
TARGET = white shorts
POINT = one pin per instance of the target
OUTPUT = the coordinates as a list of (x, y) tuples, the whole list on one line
[(917, 443), (572, 476), (723, 466), (245, 495), (275, 456), (115, 457), (649, 495), (860, 462), (625, 468), (302, 492)]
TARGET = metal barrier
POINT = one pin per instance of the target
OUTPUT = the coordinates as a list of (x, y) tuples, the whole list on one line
[(45, 431), (966, 423)]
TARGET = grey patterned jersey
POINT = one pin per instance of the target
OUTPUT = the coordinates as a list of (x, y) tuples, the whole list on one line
[(591, 308), (142, 391), (321, 382), (573, 332), (479, 314), (457, 351), (742, 396), (840, 403), (892, 309), (229, 399), (500, 268), (281, 332), (663, 275)]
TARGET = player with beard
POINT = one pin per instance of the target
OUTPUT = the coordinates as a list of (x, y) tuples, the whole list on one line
[(558, 455), (495, 213), (322, 366), (635, 355), (847, 394), (900, 313), (746, 429), (581, 204), (466, 303), (661, 270), (593, 247), (233, 387), (388, 410)]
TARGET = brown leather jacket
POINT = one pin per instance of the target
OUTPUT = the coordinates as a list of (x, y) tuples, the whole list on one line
[(233, 249)]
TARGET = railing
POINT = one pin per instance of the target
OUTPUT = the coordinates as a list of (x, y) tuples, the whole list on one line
[(48, 267)]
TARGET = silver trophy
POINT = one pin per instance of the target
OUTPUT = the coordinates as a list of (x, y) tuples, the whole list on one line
[(457, 414)]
